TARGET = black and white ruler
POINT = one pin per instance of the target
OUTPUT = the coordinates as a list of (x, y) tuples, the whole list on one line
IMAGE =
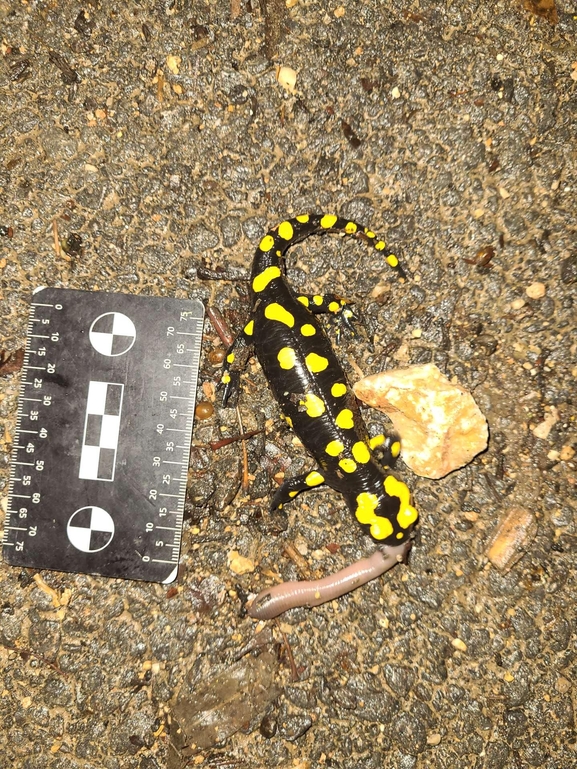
[(102, 440)]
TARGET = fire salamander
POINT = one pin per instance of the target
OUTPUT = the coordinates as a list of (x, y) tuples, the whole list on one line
[(311, 387)]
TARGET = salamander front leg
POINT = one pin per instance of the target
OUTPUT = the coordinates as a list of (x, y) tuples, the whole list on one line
[(235, 361), (293, 486)]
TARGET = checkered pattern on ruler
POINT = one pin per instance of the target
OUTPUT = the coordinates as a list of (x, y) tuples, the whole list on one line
[(101, 431), (112, 334)]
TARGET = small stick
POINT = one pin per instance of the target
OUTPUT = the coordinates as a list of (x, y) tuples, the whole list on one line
[(289, 651), (215, 445), (220, 326), (244, 452)]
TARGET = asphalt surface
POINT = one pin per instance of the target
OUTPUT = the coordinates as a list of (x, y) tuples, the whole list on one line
[(141, 147)]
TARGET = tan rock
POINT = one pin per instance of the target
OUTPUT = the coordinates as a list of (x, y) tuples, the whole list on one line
[(511, 538), (440, 425), (238, 564)]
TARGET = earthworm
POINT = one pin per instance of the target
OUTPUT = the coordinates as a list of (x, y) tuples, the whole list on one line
[(275, 600)]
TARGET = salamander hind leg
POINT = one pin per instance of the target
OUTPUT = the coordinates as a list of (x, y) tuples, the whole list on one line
[(340, 311), (386, 448), (293, 486)]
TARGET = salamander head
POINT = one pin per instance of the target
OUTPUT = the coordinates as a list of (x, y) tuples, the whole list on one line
[(385, 514)]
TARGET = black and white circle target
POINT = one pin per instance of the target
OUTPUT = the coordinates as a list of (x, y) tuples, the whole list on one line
[(90, 529), (112, 334)]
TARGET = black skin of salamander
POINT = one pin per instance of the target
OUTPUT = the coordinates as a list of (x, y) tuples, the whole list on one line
[(290, 386)]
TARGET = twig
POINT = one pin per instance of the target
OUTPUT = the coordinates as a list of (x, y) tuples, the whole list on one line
[(220, 326), (293, 667), (244, 452), (215, 445)]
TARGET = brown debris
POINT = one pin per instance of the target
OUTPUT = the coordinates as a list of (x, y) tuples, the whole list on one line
[(546, 9), (11, 361)]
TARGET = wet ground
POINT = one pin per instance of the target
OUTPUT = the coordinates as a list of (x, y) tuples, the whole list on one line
[(141, 147)]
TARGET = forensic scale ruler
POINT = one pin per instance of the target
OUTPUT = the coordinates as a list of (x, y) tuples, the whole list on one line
[(103, 433)]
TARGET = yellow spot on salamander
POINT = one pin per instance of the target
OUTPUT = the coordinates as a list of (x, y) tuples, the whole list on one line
[(289, 421), (230, 358), (338, 389), (380, 245), (308, 330), (348, 465), (345, 420), (328, 221), (392, 260), (334, 448), (266, 243), (285, 230), (314, 479), (303, 218), (293, 494), (361, 452), (366, 506), (381, 528), (334, 307), (407, 514), (249, 328), (369, 234), (225, 379), (350, 227), (314, 405), (395, 449), (261, 281), (275, 311), (378, 440), (316, 363), (287, 357), (303, 300), (317, 299)]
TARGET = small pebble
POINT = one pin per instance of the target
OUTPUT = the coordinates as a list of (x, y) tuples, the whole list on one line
[(239, 564), (287, 77), (204, 410), (216, 356), (268, 726), (535, 291), (295, 726)]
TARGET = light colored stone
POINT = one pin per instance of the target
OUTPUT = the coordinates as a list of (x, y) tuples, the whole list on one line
[(440, 425), (513, 535), (287, 78), (536, 290), (543, 429), (239, 564)]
